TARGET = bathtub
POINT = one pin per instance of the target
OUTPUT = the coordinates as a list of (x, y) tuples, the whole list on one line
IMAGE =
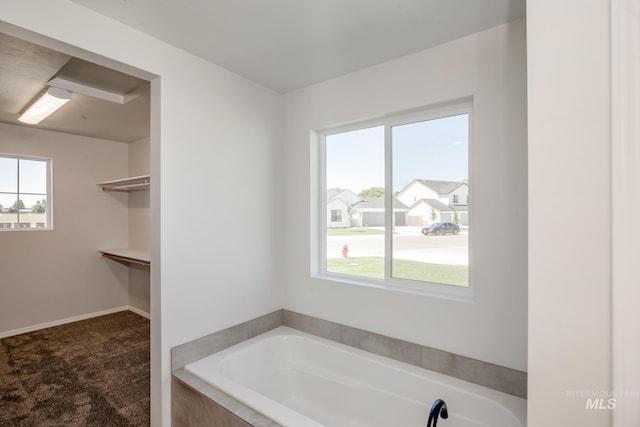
[(300, 380)]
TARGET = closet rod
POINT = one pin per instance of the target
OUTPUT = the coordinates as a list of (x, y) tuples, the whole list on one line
[(127, 186)]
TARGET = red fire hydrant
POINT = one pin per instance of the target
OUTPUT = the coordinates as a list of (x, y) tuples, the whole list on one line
[(345, 250)]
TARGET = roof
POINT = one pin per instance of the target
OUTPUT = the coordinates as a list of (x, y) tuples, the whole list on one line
[(434, 203), (460, 208), (441, 187), (332, 192), (345, 195), (378, 203), (437, 204)]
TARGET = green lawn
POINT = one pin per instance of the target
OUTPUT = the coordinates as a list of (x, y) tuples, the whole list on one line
[(352, 231), (404, 269)]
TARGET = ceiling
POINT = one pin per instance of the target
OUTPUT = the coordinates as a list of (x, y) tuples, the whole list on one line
[(281, 44), (26, 69), (289, 44)]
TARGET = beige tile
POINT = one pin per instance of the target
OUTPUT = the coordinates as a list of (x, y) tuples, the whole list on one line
[(492, 376), (264, 323), (213, 403), (486, 374), (438, 361), (195, 350), (190, 409), (184, 354), (312, 325), (393, 348)]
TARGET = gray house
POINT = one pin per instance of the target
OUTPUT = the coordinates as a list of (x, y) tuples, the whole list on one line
[(370, 213)]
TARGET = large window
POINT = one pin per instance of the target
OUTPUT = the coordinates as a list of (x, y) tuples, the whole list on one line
[(404, 183), (25, 192)]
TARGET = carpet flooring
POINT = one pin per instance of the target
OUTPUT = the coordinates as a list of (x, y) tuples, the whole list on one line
[(89, 373)]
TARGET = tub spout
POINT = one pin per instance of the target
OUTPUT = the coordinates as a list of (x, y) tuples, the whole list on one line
[(438, 409)]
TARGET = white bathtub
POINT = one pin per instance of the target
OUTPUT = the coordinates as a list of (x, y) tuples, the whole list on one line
[(300, 380)]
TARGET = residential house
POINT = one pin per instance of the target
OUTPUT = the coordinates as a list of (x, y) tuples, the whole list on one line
[(432, 201), (340, 205), (370, 213)]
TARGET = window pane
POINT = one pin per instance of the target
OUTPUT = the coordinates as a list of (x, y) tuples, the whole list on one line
[(24, 203), (34, 212), (8, 175), (355, 202), (33, 176), (431, 207), (7, 215)]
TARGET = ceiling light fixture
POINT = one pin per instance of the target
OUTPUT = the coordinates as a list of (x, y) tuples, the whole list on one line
[(84, 89), (49, 102)]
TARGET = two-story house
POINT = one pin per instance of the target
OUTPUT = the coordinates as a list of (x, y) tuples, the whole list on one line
[(432, 201)]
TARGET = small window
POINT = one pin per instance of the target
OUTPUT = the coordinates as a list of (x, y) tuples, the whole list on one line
[(25, 193), (397, 178)]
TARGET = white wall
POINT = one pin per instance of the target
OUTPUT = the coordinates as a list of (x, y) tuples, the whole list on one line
[(139, 158), (490, 66), (625, 132), (211, 134), (51, 275), (139, 225), (569, 257)]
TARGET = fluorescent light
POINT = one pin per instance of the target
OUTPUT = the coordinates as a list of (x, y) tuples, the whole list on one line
[(52, 99)]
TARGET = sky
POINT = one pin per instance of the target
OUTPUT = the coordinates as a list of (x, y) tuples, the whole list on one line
[(436, 149)]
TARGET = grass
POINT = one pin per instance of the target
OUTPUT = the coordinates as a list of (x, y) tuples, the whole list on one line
[(404, 269), (367, 266), (352, 231)]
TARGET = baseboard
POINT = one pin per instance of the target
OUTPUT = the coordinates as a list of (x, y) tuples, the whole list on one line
[(139, 312), (71, 319)]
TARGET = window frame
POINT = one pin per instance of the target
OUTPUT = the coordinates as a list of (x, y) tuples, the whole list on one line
[(319, 221), (48, 195)]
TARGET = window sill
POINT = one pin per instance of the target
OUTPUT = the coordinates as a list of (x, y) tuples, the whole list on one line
[(424, 289), (2, 230)]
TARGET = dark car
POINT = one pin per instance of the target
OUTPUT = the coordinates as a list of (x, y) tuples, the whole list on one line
[(440, 228)]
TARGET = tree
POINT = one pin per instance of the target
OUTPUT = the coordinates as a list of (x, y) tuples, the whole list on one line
[(39, 207), (372, 192), (434, 215), (18, 204)]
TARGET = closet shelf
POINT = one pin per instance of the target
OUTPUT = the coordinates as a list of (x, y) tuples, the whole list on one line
[(135, 183), (127, 256)]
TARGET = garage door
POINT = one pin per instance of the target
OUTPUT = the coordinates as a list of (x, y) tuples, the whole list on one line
[(401, 219), (373, 219)]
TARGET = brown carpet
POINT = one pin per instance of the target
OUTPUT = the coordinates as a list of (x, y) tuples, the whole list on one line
[(89, 373)]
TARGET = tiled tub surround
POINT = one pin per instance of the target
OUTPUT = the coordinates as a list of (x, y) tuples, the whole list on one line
[(302, 380), (219, 404)]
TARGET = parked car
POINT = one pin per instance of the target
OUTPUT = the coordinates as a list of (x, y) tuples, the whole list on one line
[(440, 228)]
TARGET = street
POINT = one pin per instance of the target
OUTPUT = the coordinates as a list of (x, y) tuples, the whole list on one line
[(408, 243)]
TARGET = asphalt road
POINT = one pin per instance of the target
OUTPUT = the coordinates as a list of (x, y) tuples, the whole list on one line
[(408, 243)]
